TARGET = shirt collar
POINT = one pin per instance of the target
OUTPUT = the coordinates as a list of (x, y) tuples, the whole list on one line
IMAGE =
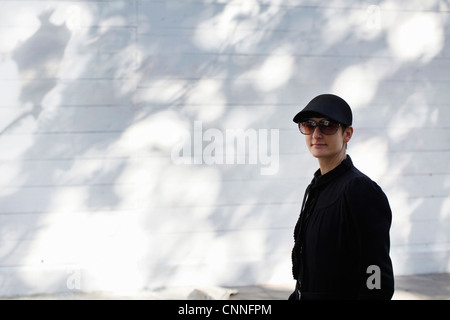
[(320, 179)]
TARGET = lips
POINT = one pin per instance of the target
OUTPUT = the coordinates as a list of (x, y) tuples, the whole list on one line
[(318, 145)]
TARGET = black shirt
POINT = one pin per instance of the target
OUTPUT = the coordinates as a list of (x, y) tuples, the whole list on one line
[(342, 241)]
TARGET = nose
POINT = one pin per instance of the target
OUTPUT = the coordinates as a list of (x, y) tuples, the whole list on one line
[(316, 133)]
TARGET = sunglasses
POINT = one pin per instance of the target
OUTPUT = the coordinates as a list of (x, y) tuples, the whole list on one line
[(326, 126)]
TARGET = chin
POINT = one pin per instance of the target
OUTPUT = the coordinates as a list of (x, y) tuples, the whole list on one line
[(318, 155)]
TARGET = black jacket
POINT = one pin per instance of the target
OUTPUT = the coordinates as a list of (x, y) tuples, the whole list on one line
[(342, 241)]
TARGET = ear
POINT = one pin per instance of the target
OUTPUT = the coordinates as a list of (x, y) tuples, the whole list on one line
[(348, 133)]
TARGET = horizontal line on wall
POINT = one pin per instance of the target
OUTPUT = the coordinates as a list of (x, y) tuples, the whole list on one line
[(419, 247), (170, 32), (418, 80), (216, 231), (80, 132), (59, 79), (352, 6), (296, 204), (204, 165)]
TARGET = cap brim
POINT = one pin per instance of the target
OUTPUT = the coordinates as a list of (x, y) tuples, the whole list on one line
[(303, 115)]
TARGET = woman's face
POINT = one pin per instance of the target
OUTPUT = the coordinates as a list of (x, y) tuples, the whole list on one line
[(327, 146)]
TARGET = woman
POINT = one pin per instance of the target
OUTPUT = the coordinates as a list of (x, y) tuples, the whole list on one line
[(341, 248)]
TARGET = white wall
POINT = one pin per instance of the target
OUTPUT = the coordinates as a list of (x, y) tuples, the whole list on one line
[(97, 95)]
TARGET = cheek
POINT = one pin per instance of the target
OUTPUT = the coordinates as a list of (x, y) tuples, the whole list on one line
[(308, 140), (338, 142), (332, 142)]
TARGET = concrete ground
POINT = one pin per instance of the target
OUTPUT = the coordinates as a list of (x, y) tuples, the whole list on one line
[(412, 287)]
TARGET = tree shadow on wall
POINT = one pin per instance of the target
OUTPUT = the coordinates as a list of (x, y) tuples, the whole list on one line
[(328, 47), (199, 62), (55, 182)]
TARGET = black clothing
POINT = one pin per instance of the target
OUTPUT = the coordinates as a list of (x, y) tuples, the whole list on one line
[(343, 229)]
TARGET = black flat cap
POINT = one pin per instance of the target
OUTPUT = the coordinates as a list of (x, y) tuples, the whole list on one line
[(328, 106)]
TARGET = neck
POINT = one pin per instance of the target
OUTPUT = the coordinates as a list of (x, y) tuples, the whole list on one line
[(329, 163)]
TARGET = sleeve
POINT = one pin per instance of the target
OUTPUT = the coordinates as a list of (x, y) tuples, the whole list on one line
[(372, 214)]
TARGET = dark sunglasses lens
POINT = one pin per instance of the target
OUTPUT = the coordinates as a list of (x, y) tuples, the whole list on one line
[(329, 127), (306, 127), (325, 126)]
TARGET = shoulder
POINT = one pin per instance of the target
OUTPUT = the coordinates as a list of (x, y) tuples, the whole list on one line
[(362, 192), (356, 181)]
